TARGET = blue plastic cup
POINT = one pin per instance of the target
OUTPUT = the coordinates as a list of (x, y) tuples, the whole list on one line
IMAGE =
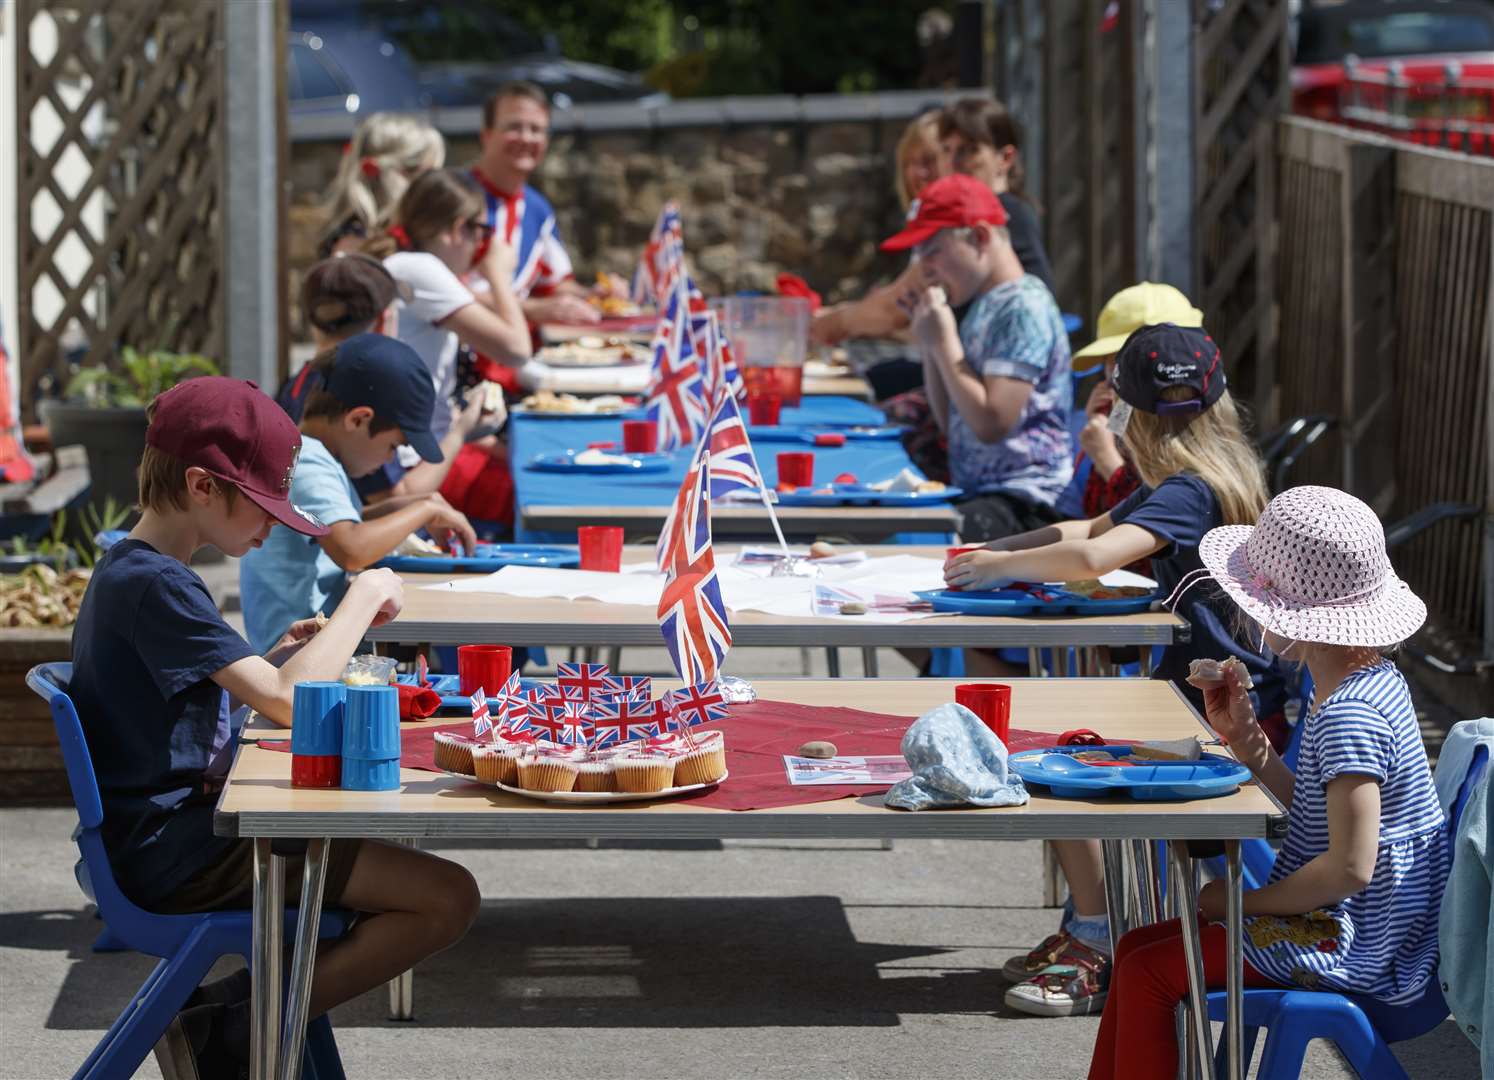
[(370, 739), (316, 718)]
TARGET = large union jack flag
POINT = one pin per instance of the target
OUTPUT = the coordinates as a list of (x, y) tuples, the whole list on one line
[(692, 705), (676, 392), (692, 615), (718, 366), (663, 257), (624, 720), (732, 464), (581, 682)]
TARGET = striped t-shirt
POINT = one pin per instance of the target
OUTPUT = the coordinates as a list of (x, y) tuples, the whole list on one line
[(1381, 941)]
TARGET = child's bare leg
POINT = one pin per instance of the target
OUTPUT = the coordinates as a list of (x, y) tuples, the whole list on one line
[(417, 905), (1084, 868)]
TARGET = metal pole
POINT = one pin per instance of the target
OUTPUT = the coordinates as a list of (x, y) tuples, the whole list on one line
[(869, 666), (1145, 866), (1234, 1023), (1115, 888), (269, 917), (309, 916), (1182, 880)]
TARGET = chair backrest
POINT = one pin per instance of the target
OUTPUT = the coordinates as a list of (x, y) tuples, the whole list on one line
[(50, 682)]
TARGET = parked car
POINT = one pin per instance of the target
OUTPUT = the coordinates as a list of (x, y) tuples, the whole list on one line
[(1426, 44), (362, 56)]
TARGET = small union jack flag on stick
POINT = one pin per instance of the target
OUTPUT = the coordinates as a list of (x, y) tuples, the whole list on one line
[(692, 614), (692, 705), (562, 721), (581, 682), (482, 721), (623, 721), (628, 685), (676, 398)]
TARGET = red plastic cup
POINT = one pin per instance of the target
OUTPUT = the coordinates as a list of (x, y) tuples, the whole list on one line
[(316, 770), (640, 437), (764, 410), (796, 467), (601, 547), (992, 702), (950, 553), (483, 667)]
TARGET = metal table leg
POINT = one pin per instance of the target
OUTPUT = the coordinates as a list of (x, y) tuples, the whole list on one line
[(869, 661), (1115, 888), (1035, 663), (402, 986), (313, 877), (832, 661), (269, 919), (1143, 856), (1182, 881), (1052, 873), (1234, 926), (1144, 660)]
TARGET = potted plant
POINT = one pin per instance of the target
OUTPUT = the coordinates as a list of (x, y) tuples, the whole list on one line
[(104, 412)]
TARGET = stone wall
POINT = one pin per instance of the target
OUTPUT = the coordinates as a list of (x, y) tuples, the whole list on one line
[(765, 185)]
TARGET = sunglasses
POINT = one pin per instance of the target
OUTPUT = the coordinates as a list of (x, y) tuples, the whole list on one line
[(479, 226)]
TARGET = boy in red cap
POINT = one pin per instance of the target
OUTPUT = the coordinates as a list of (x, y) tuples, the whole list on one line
[(154, 670), (998, 384)]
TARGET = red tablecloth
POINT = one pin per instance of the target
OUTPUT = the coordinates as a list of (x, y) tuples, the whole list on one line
[(757, 737)]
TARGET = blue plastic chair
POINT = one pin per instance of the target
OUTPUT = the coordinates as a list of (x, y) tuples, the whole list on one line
[(188, 945), (1362, 1027)]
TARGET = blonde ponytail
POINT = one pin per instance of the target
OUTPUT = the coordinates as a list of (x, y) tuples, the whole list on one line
[(1211, 445), (387, 151)]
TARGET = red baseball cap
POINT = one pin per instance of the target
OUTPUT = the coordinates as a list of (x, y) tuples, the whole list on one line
[(235, 432), (951, 202)]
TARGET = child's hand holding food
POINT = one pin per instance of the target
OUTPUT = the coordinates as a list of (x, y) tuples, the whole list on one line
[(977, 570), (1226, 690)]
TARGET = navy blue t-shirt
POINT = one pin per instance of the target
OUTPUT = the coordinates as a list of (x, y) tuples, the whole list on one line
[(1178, 512), (147, 639)]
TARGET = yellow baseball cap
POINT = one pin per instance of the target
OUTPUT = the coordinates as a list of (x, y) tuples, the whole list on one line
[(1141, 305)]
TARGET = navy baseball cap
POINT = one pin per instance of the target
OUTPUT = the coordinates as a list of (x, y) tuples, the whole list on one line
[(1157, 358), (390, 378)]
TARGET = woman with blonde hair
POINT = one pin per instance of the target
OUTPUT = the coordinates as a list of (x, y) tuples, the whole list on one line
[(1198, 472), (438, 241), (386, 152)]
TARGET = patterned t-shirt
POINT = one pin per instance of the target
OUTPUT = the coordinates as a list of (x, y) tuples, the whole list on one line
[(1016, 331), (1382, 940)]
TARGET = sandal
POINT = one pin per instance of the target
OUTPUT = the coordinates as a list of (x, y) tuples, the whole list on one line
[(1021, 968), (1074, 985)]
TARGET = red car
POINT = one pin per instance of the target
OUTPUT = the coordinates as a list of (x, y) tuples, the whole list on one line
[(1414, 69)]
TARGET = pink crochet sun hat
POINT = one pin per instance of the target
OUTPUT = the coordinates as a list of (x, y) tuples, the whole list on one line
[(1314, 569)]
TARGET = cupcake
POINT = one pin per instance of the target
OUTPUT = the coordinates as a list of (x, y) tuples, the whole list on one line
[(595, 774), (548, 770), (705, 763), (493, 765), (454, 753), (643, 771)]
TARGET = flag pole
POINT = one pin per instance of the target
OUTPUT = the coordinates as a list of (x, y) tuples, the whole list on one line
[(762, 489)]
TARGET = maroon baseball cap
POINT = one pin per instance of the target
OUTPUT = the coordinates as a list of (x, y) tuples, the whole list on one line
[(235, 432), (951, 202)]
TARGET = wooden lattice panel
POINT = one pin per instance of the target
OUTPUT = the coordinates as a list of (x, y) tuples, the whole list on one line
[(120, 186), (1240, 85)]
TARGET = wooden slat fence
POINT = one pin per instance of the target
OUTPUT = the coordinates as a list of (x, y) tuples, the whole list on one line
[(1386, 288)]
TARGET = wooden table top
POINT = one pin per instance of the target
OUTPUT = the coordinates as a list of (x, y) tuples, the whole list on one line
[(259, 801)]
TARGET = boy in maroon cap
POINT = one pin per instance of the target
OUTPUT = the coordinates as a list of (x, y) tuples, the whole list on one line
[(154, 669), (998, 384)]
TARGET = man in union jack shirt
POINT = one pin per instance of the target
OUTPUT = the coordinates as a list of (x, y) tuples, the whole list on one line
[(515, 134)]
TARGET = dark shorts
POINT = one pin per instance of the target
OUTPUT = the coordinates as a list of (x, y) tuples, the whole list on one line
[(228, 883), (998, 514)]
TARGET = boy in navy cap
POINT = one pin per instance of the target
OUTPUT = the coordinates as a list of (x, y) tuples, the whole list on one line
[(376, 395), (154, 669)]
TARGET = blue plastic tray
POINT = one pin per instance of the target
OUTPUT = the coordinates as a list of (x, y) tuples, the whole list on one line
[(1019, 602), (446, 686), (1206, 778), (807, 432), (632, 412), (489, 557), (861, 495), (566, 463)]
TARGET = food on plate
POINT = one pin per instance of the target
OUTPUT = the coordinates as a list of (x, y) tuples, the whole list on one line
[(817, 748), (595, 774), (1096, 757), (1204, 673), (616, 307), (595, 456), (821, 549), (1168, 750), (785, 488), (853, 607), (546, 401), (593, 351), (494, 764), (548, 770), (610, 284), (846, 478), (927, 486), (418, 546), (1093, 589), (705, 763), (454, 753), (643, 771)]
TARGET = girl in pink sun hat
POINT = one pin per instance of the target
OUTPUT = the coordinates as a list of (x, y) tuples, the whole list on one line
[(1353, 897)]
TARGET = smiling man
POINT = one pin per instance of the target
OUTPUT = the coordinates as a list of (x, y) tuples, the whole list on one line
[(998, 384), (515, 134)]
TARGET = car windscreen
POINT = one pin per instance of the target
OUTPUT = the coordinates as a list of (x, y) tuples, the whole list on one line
[(1327, 35), (450, 32)]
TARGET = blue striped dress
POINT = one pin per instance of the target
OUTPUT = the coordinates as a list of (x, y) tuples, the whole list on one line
[(1381, 941)]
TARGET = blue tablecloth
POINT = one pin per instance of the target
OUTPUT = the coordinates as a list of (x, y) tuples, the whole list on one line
[(870, 459)]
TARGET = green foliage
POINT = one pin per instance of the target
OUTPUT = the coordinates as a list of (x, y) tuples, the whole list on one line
[(55, 546), (144, 376)]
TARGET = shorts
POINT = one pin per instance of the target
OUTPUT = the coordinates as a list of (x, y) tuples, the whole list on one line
[(1000, 514), (227, 883)]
